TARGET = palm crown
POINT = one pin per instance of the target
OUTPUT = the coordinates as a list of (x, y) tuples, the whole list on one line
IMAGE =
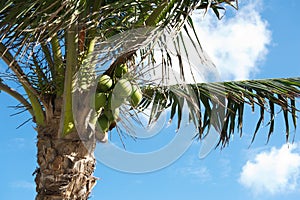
[(46, 43)]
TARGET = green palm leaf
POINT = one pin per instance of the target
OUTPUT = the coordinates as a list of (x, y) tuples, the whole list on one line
[(261, 94), (36, 36), (46, 44)]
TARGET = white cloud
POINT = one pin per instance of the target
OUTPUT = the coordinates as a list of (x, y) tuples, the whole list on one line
[(275, 171), (235, 44)]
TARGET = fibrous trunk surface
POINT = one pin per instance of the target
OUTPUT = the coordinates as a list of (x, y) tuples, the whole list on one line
[(66, 165)]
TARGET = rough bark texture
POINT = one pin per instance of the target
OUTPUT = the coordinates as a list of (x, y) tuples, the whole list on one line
[(66, 164)]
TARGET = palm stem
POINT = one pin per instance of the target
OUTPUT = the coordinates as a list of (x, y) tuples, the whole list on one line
[(71, 63), (58, 65)]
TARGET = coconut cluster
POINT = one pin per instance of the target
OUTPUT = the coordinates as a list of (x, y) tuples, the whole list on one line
[(112, 92)]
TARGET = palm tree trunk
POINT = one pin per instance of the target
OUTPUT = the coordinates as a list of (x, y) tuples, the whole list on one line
[(66, 164)]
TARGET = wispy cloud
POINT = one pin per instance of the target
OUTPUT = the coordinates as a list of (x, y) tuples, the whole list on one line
[(194, 169), (22, 184), (274, 171), (225, 167), (236, 44), (198, 173), (17, 143)]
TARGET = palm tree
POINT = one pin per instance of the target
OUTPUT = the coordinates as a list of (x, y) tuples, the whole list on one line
[(45, 44)]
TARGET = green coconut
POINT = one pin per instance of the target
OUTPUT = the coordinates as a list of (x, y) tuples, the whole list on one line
[(105, 83), (123, 89), (115, 101), (112, 115), (136, 96), (121, 70), (100, 100), (103, 123)]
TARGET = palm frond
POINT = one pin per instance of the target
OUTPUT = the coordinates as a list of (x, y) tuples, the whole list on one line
[(221, 104), (34, 35), (36, 30), (4, 87)]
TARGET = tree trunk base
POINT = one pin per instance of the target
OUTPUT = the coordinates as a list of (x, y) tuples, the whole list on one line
[(66, 166)]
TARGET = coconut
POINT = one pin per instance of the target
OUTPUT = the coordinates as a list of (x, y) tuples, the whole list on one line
[(104, 83), (121, 70), (100, 100), (103, 123), (123, 89), (136, 96), (112, 114), (115, 101)]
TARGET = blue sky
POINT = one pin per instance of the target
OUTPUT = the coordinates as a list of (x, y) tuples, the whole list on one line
[(261, 41)]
